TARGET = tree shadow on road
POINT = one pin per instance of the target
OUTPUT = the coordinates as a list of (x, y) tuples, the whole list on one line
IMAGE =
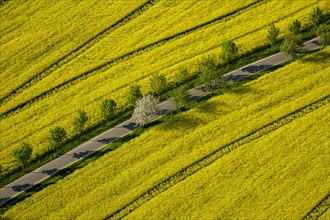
[(20, 188), (242, 89), (50, 172), (4, 199), (233, 78), (131, 126), (107, 140), (256, 68), (82, 154)]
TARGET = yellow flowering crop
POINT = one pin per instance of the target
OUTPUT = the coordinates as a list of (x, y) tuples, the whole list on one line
[(121, 176), (282, 175), (245, 28), (35, 34)]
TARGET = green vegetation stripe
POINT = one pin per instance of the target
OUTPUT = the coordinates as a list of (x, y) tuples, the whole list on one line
[(79, 50), (108, 64), (319, 209), (207, 160)]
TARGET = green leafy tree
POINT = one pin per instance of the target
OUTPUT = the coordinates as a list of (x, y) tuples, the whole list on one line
[(323, 32), (229, 51), (291, 45), (134, 94), (317, 16), (182, 75), (108, 109), (23, 154), (181, 96), (158, 83), (295, 27), (207, 64), (208, 73), (272, 35), (80, 121), (56, 138)]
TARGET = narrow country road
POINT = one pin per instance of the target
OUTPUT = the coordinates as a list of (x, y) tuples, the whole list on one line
[(98, 142)]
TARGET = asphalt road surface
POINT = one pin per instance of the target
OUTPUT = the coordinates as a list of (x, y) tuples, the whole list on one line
[(98, 142)]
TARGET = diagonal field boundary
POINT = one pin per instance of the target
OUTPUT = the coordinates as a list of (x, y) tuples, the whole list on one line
[(79, 50), (209, 159), (319, 209), (108, 64)]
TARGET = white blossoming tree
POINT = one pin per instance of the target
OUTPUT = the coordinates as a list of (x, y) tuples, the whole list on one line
[(144, 108)]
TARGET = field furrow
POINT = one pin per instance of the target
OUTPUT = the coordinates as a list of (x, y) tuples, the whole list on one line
[(198, 165), (281, 175), (30, 41), (117, 79), (77, 51), (320, 209), (72, 79), (114, 180)]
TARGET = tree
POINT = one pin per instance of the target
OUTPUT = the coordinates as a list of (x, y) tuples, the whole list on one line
[(323, 31), (144, 108), (181, 96), (208, 73), (158, 83), (23, 154), (182, 75), (80, 121), (229, 51), (134, 94), (56, 137), (295, 27), (207, 64), (291, 46), (108, 108), (273, 33), (317, 17)]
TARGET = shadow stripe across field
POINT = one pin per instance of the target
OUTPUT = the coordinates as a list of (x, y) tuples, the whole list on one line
[(212, 157)]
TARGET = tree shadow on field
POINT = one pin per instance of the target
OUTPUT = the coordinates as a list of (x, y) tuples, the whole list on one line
[(182, 122), (242, 89), (317, 57), (210, 107)]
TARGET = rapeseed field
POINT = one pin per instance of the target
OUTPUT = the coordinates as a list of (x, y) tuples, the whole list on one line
[(222, 136), (282, 175), (32, 123)]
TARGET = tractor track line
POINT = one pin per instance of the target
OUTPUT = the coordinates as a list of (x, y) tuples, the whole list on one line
[(79, 50), (107, 65), (212, 157), (319, 209)]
